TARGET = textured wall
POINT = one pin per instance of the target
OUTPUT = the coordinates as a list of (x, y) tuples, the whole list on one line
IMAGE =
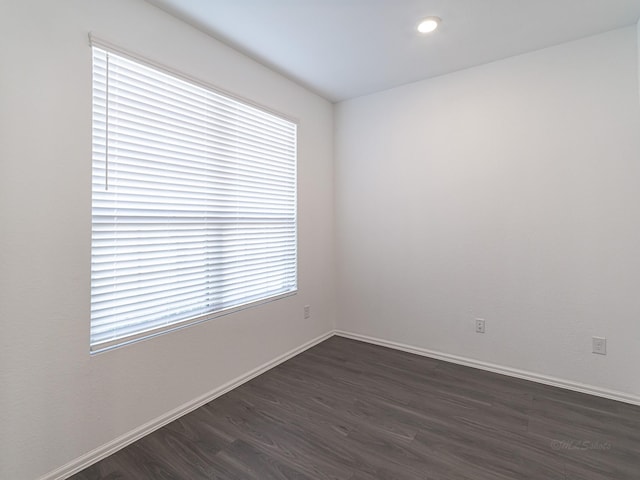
[(508, 192), (57, 402)]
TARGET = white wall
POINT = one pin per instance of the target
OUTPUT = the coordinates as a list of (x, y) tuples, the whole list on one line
[(57, 402), (511, 192), (508, 191)]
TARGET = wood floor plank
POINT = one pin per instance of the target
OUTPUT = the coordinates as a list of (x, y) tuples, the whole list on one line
[(253, 464), (313, 452), (347, 410)]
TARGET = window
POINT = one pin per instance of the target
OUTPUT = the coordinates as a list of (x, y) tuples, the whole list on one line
[(193, 202)]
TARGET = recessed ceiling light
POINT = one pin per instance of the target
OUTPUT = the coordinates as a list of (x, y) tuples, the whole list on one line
[(429, 24)]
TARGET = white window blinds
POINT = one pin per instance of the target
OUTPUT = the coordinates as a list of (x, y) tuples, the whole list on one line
[(193, 205)]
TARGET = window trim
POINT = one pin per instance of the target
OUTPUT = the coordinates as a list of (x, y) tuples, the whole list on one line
[(99, 42), (104, 346), (121, 342)]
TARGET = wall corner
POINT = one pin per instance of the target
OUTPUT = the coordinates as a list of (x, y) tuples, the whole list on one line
[(638, 53)]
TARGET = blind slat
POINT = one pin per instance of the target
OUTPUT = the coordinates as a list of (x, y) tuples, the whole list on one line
[(193, 205)]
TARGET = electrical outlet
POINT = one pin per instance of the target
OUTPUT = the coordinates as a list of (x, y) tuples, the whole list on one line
[(480, 327), (307, 312), (599, 345)]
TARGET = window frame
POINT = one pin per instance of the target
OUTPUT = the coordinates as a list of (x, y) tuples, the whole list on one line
[(101, 346)]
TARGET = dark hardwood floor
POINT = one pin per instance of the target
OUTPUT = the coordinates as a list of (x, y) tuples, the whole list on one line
[(347, 410)]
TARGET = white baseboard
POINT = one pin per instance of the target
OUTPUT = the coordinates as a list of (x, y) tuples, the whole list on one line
[(104, 451), (512, 372)]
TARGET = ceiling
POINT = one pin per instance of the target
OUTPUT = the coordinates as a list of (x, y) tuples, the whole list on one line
[(347, 48)]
